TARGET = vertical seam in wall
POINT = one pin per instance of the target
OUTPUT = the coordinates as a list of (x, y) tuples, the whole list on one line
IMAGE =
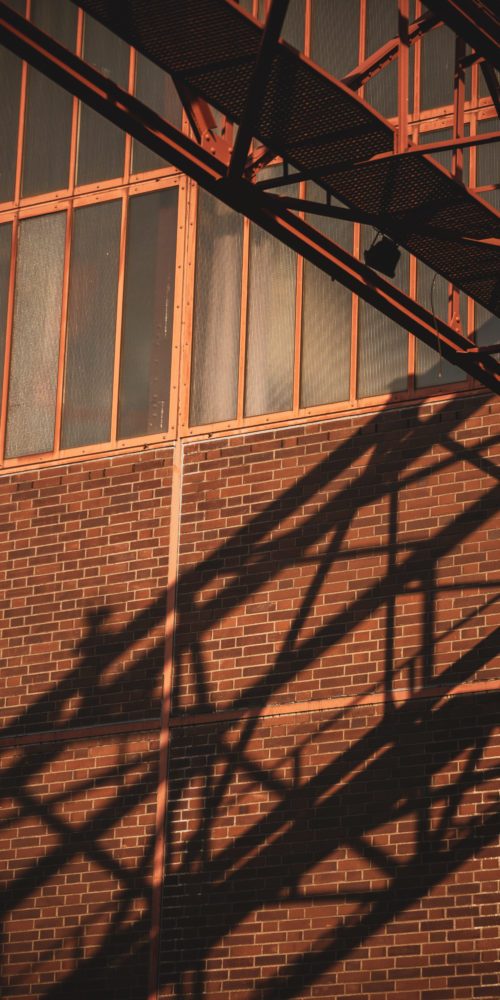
[(164, 742)]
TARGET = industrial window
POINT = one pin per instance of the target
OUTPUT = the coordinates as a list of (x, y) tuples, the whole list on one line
[(88, 255), (134, 306)]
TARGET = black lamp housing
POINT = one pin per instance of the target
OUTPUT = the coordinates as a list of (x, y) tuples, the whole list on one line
[(383, 256)]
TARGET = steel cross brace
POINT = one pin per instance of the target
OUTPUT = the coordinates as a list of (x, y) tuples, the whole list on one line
[(124, 110)]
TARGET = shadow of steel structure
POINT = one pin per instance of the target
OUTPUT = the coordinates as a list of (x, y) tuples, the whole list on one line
[(218, 54), (386, 774)]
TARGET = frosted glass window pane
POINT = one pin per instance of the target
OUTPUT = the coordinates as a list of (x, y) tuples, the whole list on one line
[(49, 108), (326, 320), (335, 35), (293, 27), (156, 89), (5, 245), (488, 158), (382, 353), (430, 368), (381, 25), (91, 325), (10, 84), (217, 311), (382, 343), (148, 314), (10, 88), (270, 345), (437, 67), (101, 145), (271, 325), (35, 343)]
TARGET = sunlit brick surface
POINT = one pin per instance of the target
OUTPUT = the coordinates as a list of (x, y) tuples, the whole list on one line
[(340, 854), (84, 552), (351, 556), (78, 824)]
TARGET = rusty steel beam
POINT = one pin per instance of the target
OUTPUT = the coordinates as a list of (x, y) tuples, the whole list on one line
[(257, 86), (475, 22), (124, 110)]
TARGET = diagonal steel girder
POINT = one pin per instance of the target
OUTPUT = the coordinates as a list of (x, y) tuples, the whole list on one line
[(30, 43)]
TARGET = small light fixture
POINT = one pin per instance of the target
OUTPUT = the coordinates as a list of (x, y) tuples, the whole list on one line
[(383, 256)]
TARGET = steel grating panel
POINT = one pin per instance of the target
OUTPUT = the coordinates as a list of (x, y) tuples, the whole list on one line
[(314, 122)]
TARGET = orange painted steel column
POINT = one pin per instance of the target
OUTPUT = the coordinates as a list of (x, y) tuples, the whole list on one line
[(403, 71), (183, 234), (160, 846), (187, 311), (457, 160), (245, 258)]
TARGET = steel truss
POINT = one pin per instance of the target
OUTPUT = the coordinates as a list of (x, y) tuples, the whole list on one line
[(208, 163)]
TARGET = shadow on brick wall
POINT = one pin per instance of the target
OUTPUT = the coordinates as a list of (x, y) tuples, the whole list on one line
[(341, 852)]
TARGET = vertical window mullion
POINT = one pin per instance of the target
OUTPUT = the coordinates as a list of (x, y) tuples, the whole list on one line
[(417, 67), (300, 260), (67, 249), (119, 317), (457, 168), (473, 178), (353, 380), (411, 339), (307, 29), (73, 152), (187, 308), (22, 122), (183, 231), (298, 317), (128, 138), (353, 383), (412, 291), (243, 320), (9, 324)]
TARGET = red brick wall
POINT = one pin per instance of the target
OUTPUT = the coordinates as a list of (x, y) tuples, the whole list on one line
[(332, 827), (82, 585), (351, 556), (83, 565), (77, 829), (336, 854)]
